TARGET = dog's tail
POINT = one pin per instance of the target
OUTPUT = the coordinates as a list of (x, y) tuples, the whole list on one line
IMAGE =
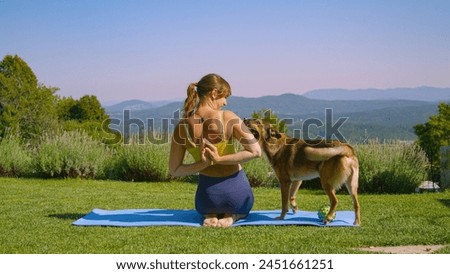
[(325, 153)]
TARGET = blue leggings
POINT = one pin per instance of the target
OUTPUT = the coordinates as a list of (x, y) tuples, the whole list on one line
[(218, 195)]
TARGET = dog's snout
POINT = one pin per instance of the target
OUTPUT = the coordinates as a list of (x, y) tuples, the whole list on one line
[(247, 122)]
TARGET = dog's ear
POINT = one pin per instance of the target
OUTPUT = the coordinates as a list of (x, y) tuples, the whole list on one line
[(273, 133), (276, 133)]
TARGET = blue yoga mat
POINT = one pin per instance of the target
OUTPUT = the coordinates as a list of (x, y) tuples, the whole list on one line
[(180, 217)]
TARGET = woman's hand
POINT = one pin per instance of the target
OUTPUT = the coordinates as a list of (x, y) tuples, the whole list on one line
[(210, 151), (205, 158)]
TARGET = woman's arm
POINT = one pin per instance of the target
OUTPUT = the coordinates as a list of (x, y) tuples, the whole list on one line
[(177, 151), (246, 139)]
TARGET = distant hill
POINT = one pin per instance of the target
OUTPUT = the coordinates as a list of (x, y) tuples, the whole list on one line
[(135, 105), (294, 105), (383, 119), (429, 94), (384, 124)]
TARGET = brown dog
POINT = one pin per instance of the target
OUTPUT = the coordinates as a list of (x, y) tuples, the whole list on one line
[(294, 160)]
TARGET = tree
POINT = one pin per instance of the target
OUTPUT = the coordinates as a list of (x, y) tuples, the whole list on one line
[(86, 114), (86, 109), (26, 105), (27, 108), (63, 106), (434, 134)]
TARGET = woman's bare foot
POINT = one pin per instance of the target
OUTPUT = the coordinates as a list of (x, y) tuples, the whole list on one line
[(211, 220), (226, 221), (229, 219)]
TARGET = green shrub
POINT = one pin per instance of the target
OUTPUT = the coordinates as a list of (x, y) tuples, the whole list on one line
[(393, 167), (141, 162), (260, 173), (15, 158), (71, 154)]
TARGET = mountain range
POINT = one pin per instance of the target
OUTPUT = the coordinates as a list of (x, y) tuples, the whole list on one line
[(135, 105), (428, 94), (369, 114)]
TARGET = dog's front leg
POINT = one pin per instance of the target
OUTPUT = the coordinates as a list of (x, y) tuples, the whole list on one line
[(285, 186)]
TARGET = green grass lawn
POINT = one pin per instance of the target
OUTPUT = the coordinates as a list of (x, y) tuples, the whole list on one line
[(36, 217)]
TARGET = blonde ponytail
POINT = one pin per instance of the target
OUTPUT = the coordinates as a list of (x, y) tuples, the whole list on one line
[(191, 101)]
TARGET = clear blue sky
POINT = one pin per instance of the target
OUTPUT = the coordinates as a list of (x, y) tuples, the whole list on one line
[(152, 50)]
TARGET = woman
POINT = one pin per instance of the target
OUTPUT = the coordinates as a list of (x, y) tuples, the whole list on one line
[(208, 133)]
